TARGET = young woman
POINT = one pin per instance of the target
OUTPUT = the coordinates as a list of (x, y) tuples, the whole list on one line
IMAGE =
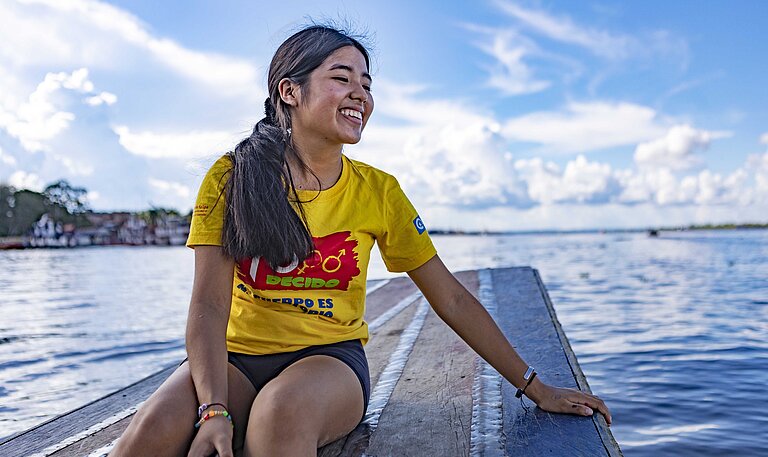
[(282, 231)]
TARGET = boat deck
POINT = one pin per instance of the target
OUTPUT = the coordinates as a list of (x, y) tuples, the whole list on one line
[(431, 394)]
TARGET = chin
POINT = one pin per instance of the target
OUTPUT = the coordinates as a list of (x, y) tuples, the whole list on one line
[(350, 139), (354, 141)]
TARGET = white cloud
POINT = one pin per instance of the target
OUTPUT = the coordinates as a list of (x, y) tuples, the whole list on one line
[(23, 180), (452, 157), (164, 187), (563, 29), (596, 183), (758, 165), (38, 119), (764, 138), (514, 51), (33, 36), (663, 187), (102, 98), (175, 144), (6, 158), (582, 181), (714, 189), (74, 167), (447, 153), (609, 45), (512, 76), (676, 149), (67, 138), (83, 32), (586, 126)]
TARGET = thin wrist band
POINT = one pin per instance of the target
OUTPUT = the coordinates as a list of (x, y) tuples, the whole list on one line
[(530, 374)]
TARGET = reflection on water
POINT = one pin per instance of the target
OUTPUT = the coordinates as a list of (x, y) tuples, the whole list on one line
[(671, 331), (81, 323)]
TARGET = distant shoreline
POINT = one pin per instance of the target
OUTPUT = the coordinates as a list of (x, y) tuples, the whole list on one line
[(17, 242), (749, 226)]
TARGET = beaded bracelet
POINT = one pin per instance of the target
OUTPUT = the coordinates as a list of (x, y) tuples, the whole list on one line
[(205, 406), (212, 414)]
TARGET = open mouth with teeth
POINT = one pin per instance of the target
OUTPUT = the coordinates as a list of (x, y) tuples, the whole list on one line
[(352, 113)]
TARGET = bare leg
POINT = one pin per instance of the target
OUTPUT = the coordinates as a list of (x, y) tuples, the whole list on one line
[(164, 425), (311, 403)]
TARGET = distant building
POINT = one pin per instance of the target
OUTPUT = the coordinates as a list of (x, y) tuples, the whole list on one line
[(48, 233), (120, 228), (171, 230)]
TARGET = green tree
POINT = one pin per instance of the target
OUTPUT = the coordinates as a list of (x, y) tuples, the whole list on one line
[(19, 210), (153, 215), (63, 195)]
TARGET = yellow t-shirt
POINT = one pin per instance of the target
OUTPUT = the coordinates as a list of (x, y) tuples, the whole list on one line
[(319, 300)]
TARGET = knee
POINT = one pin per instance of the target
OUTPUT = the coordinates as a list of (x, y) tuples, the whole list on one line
[(152, 419), (277, 411), (155, 425)]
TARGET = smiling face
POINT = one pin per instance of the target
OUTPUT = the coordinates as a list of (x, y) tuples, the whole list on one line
[(334, 105)]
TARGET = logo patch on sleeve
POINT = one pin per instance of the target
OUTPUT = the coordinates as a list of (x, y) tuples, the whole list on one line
[(419, 225)]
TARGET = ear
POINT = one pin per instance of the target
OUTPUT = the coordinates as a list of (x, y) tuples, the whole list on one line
[(289, 92)]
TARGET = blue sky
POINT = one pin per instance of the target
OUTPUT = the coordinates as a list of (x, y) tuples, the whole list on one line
[(502, 115)]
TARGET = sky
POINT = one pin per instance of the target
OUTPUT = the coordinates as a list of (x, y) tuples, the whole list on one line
[(492, 114)]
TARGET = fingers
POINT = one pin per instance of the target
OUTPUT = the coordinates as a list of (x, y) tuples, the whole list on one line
[(224, 448), (600, 405), (590, 403), (205, 445), (581, 409)]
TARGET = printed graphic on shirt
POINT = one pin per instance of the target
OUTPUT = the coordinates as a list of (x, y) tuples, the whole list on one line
[(419, 225), (321, 305), (332, 265)]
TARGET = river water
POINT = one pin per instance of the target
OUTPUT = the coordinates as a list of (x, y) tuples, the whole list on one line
[(671, 331)]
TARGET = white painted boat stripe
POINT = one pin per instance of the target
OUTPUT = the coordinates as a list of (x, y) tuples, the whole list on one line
[(88, 432), (392, 312), (487, 427), (103, 451), (377, 286), (394, 369)]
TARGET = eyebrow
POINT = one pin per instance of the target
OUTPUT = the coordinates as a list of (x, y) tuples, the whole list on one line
[(341, 66)]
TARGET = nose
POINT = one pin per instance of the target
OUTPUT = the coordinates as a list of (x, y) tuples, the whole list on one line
[(359, 94)]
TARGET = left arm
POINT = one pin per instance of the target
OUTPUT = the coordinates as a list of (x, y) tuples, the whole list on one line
[(453, 302)]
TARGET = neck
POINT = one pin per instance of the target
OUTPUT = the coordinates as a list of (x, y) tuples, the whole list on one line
[(322, 159)]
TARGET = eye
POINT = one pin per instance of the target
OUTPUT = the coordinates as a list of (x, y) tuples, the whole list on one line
[(368, 88), (341, 78)]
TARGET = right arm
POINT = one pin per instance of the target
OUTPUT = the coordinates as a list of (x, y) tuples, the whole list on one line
[(207, 328)]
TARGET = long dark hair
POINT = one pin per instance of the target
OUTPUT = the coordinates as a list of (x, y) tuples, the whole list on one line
[(259, 218)]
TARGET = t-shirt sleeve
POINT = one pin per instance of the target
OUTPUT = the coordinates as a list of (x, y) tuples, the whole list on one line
[(405, 245), (208, 214)]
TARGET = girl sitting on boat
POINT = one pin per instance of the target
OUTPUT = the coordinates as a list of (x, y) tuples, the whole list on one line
[(282, 231)]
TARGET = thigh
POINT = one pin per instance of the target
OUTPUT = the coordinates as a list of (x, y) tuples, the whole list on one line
[(316, 400)]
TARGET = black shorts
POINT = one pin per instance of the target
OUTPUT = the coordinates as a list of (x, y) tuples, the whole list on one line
[(261, 369)]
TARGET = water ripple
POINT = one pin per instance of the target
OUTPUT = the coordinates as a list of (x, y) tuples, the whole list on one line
[(670, 331)]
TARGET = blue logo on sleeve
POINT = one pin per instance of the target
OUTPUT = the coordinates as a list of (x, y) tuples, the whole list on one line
[(419, 225)]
